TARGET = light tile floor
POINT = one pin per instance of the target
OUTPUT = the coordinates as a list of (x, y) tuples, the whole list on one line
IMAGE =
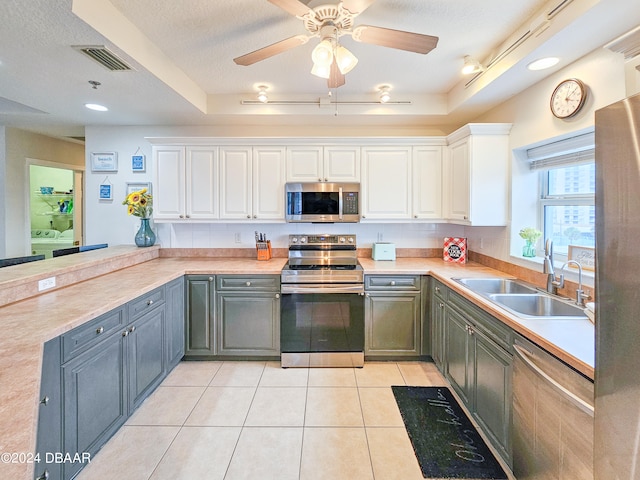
[(255, 420)]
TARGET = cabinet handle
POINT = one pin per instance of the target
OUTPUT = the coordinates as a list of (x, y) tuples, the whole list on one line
[(392, 283), (366, 295), (415, 216), (125, 333), (45, 401), (255, 216), (188, 216), (211, 279), (181, 216), (326, 179), (99, 330), (132, 329), (44, 476), (363, 216), (149, 302), (277, 295), (438, 289), (441, 305), (248, 216), (248, 284), (319, 179)]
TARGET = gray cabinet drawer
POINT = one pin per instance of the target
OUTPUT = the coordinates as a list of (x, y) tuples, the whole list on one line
[(145, 303), (392, 282), (246, 282), (440, 289), (84, 336)]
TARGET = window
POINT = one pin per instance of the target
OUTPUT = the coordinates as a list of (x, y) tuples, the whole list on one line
[(566, 207)]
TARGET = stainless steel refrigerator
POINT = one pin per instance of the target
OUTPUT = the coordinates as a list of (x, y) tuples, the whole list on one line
[(617, 377)]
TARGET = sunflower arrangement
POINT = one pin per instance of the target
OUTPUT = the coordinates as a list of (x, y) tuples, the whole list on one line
[(139, 203)]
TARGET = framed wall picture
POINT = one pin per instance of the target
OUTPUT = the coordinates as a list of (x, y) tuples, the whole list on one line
[(585, 256), (105, 191), (136, 186), (104, 162), (138, 163)]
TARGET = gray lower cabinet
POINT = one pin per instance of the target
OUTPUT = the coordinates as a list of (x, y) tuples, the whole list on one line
[(393, 316), (96, 375), (248, 315), (175, 322), (200, 332), (478, 364), (439, 295)]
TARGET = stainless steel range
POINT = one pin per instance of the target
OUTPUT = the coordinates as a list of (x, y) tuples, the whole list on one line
[(322, 306)]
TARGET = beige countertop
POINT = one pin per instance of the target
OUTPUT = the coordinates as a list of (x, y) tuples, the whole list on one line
[(37, 319)]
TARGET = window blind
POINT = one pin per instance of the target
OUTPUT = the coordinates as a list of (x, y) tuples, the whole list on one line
[(570, 151)]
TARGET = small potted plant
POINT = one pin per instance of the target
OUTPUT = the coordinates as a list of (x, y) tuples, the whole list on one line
[(531, 236)]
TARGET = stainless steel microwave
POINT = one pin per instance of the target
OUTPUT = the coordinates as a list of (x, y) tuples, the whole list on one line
[(322, 202)]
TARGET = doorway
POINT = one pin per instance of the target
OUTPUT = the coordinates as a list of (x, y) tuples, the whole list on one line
[(55, 206)]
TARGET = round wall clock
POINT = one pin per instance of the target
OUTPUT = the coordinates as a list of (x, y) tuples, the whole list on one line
[(568, 98)]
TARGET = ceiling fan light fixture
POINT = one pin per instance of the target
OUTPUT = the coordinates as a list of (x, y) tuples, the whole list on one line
[(262, 94), (322, 54), (345, 59), (322, 71), (384, 96), (471, 65)]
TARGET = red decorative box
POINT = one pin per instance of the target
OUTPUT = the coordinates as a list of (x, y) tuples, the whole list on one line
[(455, 249)]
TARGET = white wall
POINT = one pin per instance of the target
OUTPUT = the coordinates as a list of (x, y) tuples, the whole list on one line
[(533, 124)]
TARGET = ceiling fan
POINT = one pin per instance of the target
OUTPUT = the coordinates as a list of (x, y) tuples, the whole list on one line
[(329, 22)]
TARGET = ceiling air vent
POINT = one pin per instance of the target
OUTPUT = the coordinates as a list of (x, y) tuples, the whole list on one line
[(104, 57)]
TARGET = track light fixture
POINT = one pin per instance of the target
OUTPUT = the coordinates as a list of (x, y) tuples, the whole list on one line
[(471, 65), (262, 94), (384, 94)]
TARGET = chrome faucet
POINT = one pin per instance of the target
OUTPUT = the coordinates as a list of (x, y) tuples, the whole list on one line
[(580, 295), (547, 267)]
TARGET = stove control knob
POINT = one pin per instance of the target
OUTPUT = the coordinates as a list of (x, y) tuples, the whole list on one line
[(294, 240), (303, 239), (343, 240), (350, 239)]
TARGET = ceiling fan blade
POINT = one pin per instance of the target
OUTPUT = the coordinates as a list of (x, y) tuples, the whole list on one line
[(336, 78), (386, 37), (294, 7), (271, 50), (356, 7)]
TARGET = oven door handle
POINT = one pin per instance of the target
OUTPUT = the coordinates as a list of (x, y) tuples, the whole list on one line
[(340, 203), (322, 288)]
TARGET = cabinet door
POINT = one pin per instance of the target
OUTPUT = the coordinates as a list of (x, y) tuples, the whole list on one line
[(493, 373), (386, 183), (341, 164), (235, 183), (305, 164), (438, 307), (392, 323), (50, 412), (268, 183), (459, 186), (146, 355), (248, 323), (202, 183), (459, 369), (94, 398), (427, 182), (200, 313), (175, 322), (168, 183)]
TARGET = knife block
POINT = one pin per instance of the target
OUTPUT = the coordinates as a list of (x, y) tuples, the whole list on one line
[(264, 250)]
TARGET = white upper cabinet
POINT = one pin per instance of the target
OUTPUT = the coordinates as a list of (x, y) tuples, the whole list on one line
[(185, 183), (252, 183), (386, 183), (427, 171), (323, 164), (476, 180)]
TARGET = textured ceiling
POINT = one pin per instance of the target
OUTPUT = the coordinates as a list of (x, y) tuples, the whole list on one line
[(182, 55)]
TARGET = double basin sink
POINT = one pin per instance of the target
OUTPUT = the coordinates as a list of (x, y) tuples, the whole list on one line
[(522, 300)]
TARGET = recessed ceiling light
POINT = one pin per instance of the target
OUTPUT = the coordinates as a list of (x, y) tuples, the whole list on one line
[(543, 63), (97, 107)]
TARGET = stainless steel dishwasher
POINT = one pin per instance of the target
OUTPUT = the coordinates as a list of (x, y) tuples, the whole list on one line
[(552, 417)]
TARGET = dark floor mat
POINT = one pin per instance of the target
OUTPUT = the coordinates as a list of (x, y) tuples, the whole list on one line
[(444, 440)]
